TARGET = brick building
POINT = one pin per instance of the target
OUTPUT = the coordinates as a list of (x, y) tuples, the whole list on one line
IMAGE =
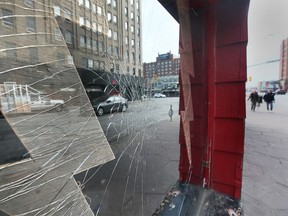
[(162, 75)]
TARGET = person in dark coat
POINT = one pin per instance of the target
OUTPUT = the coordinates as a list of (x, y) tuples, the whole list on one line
[(269, 99), (254, 97)]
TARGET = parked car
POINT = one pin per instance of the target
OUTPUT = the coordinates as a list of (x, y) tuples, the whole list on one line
[(42, 102), (159, 95), (280, 92), (108, 104)]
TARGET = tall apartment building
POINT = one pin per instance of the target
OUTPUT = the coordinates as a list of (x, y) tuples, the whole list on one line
[(32, 47), (104, 37), (162, 75), (36, 69), (283, 75)]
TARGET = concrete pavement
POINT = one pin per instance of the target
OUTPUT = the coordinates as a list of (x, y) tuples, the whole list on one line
[(145, 168), (143, 175), (265, 174)]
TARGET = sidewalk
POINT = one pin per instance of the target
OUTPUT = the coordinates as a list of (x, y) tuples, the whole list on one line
[(265, 174), (154, 167), (265, 164), (136, 182)]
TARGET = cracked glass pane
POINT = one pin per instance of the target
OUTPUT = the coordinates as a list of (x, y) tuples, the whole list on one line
[(73, 97)]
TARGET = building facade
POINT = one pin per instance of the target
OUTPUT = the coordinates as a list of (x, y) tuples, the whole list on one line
[(162, 75), (104, 38), (283, 75), (36, 68)]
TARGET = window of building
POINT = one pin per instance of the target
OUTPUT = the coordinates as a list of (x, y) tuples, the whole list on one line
[(87, 4), (82, 41), (110, 33), (33, 55), (94, 8), (88, 43), (109, 2), (68, 37), (94, 26), (132, 29), (138, 19), (116, 51), (58, 34), (85, 62), (100, 28), (133, 42), (11, 50), (8, 21), (81, 21), (128, 70), (102, 65), (31, 24), (100, 46), (70, 60), (126, 11), (29, 3), (96, 65), (114, 3), (114, 18), (109, 17), (115, 36), (90, 64), (133, 56), (138, 32), (132, 2), (57, 11), (127, 55), (94, 45), (126, 40), (126, 26), (99, 10), (137, 5), (88, 24), (132, 15), (81, 2), (110, 50)]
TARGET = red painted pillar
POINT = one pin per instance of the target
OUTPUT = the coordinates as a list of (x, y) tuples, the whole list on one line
[(218, 34)]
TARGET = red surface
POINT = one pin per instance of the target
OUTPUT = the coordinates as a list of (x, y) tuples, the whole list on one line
[(219, 38)]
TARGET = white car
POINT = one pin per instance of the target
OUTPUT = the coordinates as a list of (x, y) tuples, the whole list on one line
[(159, 95), (41, 102)]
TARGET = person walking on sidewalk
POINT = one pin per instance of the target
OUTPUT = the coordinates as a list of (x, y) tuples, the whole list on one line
[(269, 99), (254, 97)]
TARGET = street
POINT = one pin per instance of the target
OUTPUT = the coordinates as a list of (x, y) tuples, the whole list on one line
[(146, 163), (147, 157)]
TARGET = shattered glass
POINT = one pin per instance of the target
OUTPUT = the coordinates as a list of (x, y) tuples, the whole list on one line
[(56, 153)]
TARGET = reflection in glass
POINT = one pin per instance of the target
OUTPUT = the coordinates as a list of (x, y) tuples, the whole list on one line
[(49, 130)]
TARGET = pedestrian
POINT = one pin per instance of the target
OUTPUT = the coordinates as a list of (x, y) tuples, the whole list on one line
[(254, 97), (269, 99)]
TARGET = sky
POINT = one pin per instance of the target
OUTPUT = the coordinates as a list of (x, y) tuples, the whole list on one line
[(267, 27)]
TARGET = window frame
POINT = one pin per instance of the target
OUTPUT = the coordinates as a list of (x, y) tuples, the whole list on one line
[(8, 21)]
